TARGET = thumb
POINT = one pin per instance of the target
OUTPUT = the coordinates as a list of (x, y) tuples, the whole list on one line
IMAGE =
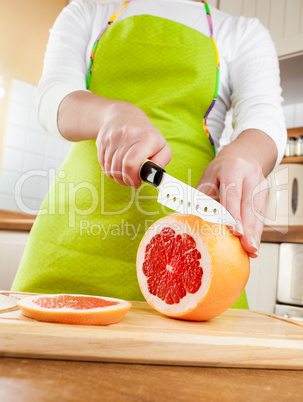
[(209, 184), (163, 157)]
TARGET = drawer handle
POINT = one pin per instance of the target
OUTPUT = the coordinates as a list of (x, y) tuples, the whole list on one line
[(294, 197)]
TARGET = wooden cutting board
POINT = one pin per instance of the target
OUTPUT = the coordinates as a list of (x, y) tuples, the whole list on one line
[(237, 338)]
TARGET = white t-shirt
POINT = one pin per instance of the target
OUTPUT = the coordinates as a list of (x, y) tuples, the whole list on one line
[(249, 69)]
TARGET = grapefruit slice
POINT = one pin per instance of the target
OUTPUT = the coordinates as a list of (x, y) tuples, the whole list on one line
[(74, 309), (191, 269)]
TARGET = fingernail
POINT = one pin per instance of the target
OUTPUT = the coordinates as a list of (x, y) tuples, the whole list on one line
[(256, 253), (253, 243), (239, 228)]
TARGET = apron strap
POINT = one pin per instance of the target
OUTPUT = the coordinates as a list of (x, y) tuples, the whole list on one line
[(92, 55), (210, 24)]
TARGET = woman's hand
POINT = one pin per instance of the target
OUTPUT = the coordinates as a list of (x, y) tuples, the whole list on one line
[(124, 135), (236, 178), (126, 138), (233, 182)]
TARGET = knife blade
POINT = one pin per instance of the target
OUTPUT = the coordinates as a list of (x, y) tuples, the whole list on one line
[(181, 197)]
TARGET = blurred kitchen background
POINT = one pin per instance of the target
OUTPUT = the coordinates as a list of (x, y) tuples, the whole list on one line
[(25, 146)]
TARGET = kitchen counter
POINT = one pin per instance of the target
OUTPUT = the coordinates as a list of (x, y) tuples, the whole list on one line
[(27, 380), (10, 220), (283, 234)]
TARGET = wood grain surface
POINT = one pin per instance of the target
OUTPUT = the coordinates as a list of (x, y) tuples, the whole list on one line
[(292, 159), (237, 338), (10, 220), (282, 234), (294, 132), (29, 380)]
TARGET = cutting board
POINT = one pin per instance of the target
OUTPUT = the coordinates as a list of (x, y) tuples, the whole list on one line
[(237, 338)]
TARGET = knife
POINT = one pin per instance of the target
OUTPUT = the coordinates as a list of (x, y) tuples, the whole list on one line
[(180, 197)]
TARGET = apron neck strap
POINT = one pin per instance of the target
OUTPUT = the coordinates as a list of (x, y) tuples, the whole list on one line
[(210, 24)]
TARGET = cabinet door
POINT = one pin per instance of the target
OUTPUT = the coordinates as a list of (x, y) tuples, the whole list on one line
[(213, 3), (289, 37), (12, 245), (261, 288), (283, 18)]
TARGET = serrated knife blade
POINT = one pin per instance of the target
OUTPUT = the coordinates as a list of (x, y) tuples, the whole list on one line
[(181, 197)]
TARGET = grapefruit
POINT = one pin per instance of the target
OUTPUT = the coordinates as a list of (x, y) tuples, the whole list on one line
[(191, 269), (74, 309)]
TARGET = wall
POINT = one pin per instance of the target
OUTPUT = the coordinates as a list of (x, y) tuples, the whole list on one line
[(26, 145), (30, 156), (24, 32)]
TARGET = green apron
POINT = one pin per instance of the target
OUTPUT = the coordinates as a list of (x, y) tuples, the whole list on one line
[(86, 236)]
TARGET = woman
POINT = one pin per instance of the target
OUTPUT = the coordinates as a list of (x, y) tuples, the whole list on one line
[(153, 76)]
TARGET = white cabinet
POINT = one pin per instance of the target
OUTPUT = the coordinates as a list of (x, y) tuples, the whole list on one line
[(283, 18), (261, 288), (213, 3), (12, 244)]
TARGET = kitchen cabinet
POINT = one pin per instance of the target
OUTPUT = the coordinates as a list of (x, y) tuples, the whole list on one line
[(261, 288), (284, 19), (12, 244), (213, 3), (294, 132), (14, 232)]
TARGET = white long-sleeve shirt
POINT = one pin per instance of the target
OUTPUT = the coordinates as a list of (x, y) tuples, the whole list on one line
[(249, 69)]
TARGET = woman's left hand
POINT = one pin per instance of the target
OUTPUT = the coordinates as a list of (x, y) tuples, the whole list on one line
[(236, 179)]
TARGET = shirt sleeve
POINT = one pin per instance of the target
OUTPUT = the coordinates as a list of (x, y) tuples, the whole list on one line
[(65, 67), (255, 84)]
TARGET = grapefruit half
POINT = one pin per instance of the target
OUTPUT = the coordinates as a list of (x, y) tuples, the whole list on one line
[(191, 269), (74, 309)]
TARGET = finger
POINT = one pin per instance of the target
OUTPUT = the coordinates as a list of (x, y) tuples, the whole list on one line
[(209, 184), (231, 187), (253, 211), (116, 167), (259, 204), (107, 164), (107, 146), (252, 255), (100, 152), (163, 157), (137, 153)]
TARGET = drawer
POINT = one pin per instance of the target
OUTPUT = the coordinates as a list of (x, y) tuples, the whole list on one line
[(12, 244), (290, 279)]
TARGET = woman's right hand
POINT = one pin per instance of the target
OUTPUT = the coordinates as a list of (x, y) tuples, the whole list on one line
[(126, 138)]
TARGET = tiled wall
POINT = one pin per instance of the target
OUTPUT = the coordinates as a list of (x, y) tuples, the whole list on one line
[(27, 147)]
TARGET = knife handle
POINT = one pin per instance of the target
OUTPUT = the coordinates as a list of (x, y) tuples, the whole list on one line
[(151, 173)]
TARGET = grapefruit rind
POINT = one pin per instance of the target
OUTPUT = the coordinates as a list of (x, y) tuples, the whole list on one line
[(93, 316), (224, 262)]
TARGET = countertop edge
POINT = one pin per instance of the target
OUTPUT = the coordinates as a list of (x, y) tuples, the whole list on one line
[(282, 234), (10, 220)]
